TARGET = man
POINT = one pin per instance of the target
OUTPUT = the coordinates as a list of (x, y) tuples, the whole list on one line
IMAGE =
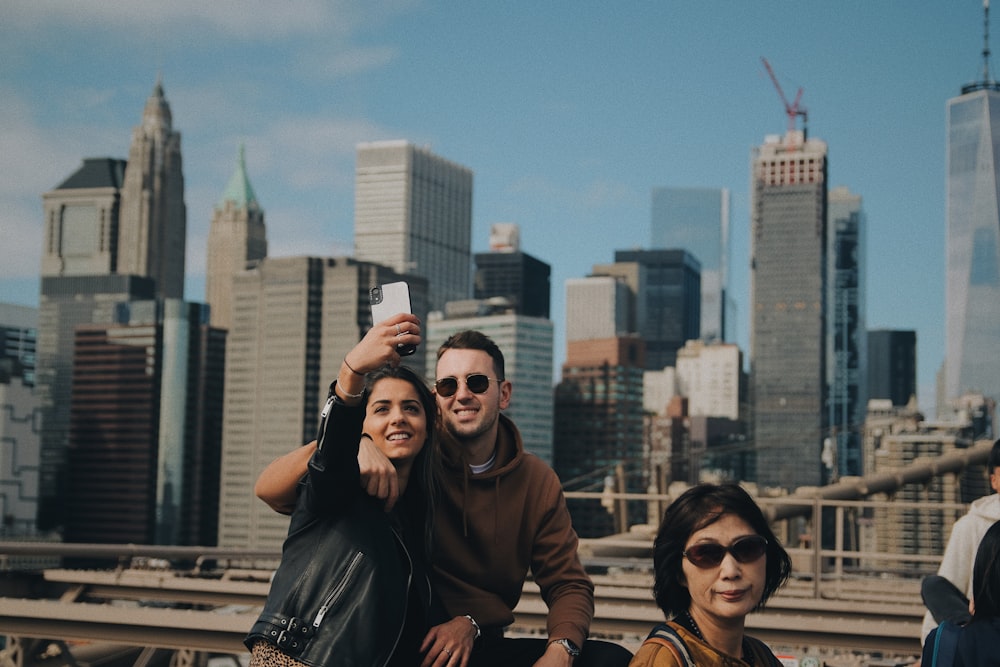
[(501, 511), (947, 594)]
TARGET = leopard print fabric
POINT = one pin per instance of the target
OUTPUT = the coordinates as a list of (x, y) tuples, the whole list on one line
[(265, 654)]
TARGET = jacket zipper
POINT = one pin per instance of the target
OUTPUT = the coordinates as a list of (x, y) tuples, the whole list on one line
[(326, 408), (339, 590), (406, 596), (322, 422)]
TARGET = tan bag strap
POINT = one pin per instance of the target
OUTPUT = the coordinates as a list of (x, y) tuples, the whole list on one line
[(664, 635)]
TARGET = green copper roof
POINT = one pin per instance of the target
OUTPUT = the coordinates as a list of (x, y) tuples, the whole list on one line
[(239, 191)]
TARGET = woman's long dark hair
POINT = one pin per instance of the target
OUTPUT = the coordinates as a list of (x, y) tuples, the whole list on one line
[(421, 491), (986, 575), (700, 506)]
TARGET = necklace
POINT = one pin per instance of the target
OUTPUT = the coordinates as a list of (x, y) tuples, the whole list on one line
[(694, 627), (747, 655)]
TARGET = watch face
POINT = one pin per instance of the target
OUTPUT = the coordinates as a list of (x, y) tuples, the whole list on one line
[(570, 647)]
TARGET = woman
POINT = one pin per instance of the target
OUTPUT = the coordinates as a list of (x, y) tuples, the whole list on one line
[(974, 644), (715, 560), (352, 588)]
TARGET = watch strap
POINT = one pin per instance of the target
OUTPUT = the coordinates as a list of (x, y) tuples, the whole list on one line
[(570, 647)]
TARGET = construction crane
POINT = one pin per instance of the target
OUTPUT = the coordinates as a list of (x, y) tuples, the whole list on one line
[(791, 110)]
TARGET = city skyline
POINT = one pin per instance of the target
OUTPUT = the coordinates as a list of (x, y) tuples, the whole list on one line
[(568, 119)]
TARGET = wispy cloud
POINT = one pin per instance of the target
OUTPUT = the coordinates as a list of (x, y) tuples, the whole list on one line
[(313, 151), (253, 18), (350, 61), (237, 18), (33, 160)]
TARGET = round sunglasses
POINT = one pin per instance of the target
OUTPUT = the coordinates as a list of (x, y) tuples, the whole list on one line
[(709, 554), (476, 382)]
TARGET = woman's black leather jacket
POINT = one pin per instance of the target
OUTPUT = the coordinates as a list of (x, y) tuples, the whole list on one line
[(339, 595)]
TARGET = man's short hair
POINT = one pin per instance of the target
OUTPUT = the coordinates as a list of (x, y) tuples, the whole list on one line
[(994, 461), (471, 339)]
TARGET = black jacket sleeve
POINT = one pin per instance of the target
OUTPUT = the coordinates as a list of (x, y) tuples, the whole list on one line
[(334, 479)]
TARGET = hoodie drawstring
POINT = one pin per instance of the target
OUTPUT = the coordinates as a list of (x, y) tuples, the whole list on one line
[(496, 515)]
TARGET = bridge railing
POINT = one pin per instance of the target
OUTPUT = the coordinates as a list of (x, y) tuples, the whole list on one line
[(850, 588), (827, 539)]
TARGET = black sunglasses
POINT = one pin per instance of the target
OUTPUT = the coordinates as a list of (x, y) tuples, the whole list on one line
[(477, 384), (710, 554)]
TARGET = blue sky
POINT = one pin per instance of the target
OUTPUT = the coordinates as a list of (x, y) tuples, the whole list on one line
[(568, 112)]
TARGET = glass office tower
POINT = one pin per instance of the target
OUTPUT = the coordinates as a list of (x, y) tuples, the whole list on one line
[(846, 333), (972, 294), (697, 220)]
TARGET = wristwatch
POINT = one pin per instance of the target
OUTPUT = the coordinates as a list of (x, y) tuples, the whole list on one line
[(570, 647)]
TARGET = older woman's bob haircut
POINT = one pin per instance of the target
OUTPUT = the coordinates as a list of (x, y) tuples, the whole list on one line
[(701, 506)]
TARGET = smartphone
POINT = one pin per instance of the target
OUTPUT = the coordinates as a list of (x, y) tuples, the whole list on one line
[(388, 300)]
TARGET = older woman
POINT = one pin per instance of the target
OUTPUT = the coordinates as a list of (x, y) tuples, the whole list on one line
[(716, 560)]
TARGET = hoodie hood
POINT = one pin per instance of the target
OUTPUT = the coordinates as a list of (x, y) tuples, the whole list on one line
[(987, 507), (509, 452)]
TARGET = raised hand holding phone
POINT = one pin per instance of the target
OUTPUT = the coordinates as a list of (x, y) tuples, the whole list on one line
[(392, 299)]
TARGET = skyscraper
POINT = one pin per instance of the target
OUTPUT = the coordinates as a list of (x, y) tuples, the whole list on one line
[(19, 421), (114, 232), (847, 336), (508, 272), (116, 217), (65, 303), (146, 417), (413, 213), (598, 307), (697, 220), (788, 297), (80, 235), (711, 377), (19, 338), (666, 293), (153, 225), (892, 365), (79, 257), (599, 426), (972, 245), (236, 238)]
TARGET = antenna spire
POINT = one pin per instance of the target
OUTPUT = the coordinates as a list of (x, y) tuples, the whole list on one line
[(986, 41), (987, 82)]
